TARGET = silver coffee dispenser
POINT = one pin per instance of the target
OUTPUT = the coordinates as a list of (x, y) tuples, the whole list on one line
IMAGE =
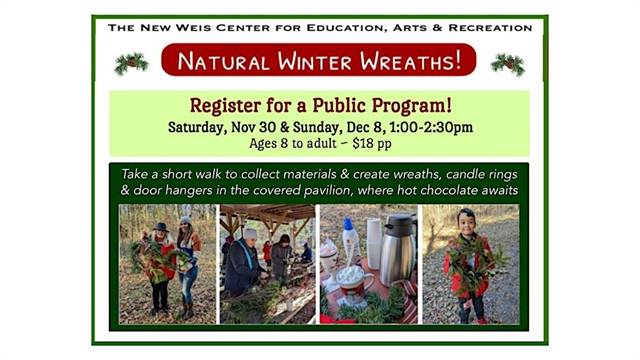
[(398, 249)]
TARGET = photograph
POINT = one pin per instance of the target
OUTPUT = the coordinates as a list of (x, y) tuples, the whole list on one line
[(167, 264), (471, 269), (369, 263), (268, 270)]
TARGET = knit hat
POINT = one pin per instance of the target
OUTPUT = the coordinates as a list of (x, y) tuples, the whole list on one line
[(250, 233), (185, 220)]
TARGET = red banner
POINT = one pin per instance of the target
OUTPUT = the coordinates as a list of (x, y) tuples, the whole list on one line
[(259, 59)]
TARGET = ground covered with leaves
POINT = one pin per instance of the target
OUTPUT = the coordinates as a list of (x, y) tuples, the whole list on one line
[(136, 302), (502, 299)]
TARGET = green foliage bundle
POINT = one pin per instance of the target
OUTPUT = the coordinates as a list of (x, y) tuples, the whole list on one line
[(182, 260), (252, 307), (141, 253), (146, 255), (324, 302), (488, 264), (134, 256), (378, 311)]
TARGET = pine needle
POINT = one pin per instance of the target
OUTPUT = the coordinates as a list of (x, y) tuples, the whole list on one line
[(324, 302), (378, 311), (252, 307)]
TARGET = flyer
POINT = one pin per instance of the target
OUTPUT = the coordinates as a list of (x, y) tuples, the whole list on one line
[(319, 179)]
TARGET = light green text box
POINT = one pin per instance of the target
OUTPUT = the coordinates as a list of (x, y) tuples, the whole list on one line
[(499, 122)]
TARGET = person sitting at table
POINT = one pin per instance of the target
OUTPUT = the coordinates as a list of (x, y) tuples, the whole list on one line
[(307, 254)]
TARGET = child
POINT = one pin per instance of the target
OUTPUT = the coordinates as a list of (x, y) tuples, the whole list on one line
[(266, 253), (469, 252)]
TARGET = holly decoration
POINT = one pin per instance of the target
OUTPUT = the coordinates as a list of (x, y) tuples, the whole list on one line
[(135, 60), (488, 263), (513, 63)]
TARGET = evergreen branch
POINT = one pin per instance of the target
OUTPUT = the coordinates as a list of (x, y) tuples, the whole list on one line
[(378, 311), (487, 265), (324, 302), (141, 64), (121, 68), (135, 60), (252, 307), (497, 65), (518, 60), (514, 63)]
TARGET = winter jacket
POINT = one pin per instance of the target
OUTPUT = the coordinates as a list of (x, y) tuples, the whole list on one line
[(279, 256), (456, 278), (242, 267), (266, 252), (192, 247), (307, 255), (225, 253), (225, 249)]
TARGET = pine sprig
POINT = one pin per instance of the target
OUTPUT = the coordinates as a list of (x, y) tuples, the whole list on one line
[(252, 307), (378, 311), (488, 264), (147, 255), (140, 62), (499, 64), (182, 260), (135, 60), (122, 66), (134, 256), (324, 302), (513, 63)]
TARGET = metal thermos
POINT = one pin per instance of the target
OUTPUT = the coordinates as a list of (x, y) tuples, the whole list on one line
[(398, 249)]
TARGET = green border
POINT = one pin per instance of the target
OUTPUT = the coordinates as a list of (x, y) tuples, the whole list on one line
[(115, 253), (545, 79)]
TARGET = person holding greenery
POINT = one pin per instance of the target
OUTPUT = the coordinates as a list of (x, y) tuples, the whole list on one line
[(468, 261)]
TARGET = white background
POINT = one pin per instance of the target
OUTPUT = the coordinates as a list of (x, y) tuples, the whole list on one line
[(528, 45), (45, 142)]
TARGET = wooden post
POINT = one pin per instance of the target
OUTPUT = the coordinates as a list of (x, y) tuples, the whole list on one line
[(224, 225), (292, 225), (281, 220), (303, 225), (272, 231), (230, 228)]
